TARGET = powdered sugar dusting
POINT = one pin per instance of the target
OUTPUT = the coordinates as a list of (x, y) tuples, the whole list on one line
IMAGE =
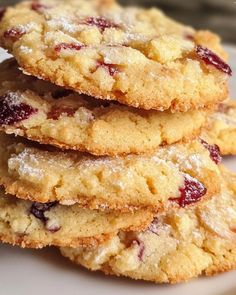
[(13, 98), (187, 160), (24, 163), (194, 162), (27, 27), (25, 49), (65, 24), (52, 37)]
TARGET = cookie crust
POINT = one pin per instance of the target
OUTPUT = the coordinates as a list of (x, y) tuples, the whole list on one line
[(36, 225), (178, 246), (45, 174), (71, 121), (221, 128)]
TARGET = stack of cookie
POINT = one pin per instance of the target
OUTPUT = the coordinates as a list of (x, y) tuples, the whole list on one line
[(100, 111)]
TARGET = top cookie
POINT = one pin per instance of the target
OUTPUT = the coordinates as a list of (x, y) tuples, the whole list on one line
[(136, 56)]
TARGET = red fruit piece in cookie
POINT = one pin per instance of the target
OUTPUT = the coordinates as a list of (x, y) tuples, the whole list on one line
[(100, 22), (191, 192), (214, 151), (39, 7), (154, 226), (141, 248), (14, 33), (210, 58), (57, 111), (132, 240), (53, 228), (71, 46), (189, 36), (38, 210), (13, 111), (223, 108), (112, 69)]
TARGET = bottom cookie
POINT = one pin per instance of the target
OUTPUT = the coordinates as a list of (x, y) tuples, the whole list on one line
[(178, 245), (36, 225)]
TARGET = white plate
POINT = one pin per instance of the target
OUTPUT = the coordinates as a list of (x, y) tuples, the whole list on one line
[(44, 272)]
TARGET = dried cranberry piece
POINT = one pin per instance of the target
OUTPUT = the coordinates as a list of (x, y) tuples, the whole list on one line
[(38, 210), (214, 151), (223, 108), (57, 111), (2, 12), (61, 93), (14, 33), (100, 22), (112, 69), (141, 248), (191, 192), (53, 228), (189, 36), (132, 240), (153, 227), (233, 229), (209, 57), (37, 6), (71, 46), (13, 111)]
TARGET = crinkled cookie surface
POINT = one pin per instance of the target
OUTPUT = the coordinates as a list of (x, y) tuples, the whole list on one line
[(182, 174), (36, 225), (52, 115), (136, 56), (178, 245)]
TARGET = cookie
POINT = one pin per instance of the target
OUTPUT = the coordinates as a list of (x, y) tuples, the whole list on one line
[(178, 245), (222, 128), (138, 57), (182, 174), (71, 121), (36, 225)]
